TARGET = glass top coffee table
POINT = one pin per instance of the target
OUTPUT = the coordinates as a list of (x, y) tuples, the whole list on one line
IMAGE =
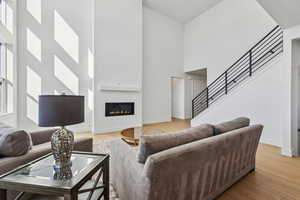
[(90, 178), (132, 135)]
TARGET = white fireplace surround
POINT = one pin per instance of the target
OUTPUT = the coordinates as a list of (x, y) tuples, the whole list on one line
[(117, 92)]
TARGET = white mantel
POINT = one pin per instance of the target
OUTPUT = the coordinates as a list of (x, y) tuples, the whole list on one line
[(118, 88)]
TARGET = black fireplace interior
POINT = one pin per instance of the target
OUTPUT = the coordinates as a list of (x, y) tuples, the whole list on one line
[(119, 109)]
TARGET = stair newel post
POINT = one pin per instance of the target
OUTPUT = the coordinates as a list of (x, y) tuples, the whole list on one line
[(207, 97), (250, 62), (226, 82)]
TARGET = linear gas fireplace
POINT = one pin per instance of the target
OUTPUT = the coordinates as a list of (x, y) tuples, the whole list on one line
[(119, 109)]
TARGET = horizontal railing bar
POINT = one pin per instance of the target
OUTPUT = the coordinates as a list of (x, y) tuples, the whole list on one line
[(267, 47), (270, 48), (240, 79), (277, 32), (216, 85), (244, 58), (221, 89), (202, 92), (223, 74), (268, 41), (266, 61), (275, 54), (246, 66), (242, 72), (266, 53), (217, 96), (232, 70), (265, 37), (240, 66), (201, 100)]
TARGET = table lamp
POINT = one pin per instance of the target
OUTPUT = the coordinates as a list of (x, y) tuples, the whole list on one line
[(61, 110)]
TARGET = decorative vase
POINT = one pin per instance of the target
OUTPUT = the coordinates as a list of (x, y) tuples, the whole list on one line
[(62, 143)]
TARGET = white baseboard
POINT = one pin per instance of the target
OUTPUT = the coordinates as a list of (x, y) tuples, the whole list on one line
[(112, 129)]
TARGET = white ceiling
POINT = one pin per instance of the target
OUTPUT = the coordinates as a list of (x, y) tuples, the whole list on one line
[(181, 10), (285, 12)]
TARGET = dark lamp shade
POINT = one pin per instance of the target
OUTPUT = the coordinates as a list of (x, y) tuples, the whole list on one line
[(60, 110)]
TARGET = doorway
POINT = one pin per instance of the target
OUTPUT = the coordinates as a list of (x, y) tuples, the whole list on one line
[(296, 115), (177, 98), (184, 90)]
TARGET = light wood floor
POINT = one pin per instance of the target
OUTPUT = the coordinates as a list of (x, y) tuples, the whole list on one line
[(276, 177)]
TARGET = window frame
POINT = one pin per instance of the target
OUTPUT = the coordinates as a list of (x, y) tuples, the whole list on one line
[(3, 80)]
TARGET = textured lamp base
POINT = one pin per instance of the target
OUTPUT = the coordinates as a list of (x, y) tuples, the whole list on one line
[(62, 143), (64, 173)]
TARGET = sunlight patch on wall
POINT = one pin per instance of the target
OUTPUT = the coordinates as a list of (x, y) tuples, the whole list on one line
[(90, 64), (34, 45), (9, 19), (34, 7), (34, 89), (66, 76), (90, 100), (66, 37), (34, 83), (10, 65), (7, 16), (32, 109)]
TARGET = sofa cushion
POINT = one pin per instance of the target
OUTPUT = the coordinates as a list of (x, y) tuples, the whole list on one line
[(13, 142), (151, 144), (231, 125)]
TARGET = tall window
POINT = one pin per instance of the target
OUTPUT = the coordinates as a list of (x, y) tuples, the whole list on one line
[(4, 82), (6, 65)]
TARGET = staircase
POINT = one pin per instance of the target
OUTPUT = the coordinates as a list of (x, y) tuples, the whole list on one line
[(259, 55)]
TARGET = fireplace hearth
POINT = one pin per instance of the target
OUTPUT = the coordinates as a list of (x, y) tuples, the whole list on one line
[(119, 109)]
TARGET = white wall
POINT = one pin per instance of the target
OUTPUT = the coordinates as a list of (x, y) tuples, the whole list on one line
[(118, 60), (217, 38), (260, 98), (55, 38), (163, 58)]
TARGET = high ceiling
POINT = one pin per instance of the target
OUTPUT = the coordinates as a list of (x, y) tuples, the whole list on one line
[(285, 12), (181, 10)]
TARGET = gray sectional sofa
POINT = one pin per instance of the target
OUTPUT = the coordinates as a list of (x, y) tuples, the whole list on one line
[(195, 164)]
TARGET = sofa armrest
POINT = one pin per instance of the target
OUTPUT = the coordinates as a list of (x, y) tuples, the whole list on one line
[(126, 173), (83, 144), (40, 137)]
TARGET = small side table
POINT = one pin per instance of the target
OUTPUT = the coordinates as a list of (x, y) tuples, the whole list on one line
[(90, 178), (132, 135)]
